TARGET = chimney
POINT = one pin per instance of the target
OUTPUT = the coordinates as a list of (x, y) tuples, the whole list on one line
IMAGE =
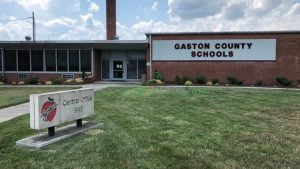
[(111, 32)]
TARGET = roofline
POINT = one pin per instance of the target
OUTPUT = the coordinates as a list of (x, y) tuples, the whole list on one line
[(225, 33), (78, 42)]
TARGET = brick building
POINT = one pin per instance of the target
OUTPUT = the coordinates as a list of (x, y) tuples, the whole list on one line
[(249, 56)]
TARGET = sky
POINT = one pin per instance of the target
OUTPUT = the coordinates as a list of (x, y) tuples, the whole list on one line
[(85, 19)]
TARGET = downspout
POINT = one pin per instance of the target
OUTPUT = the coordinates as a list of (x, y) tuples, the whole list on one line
[(150, 57)]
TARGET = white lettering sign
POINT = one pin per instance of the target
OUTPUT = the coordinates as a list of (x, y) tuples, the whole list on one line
[(52, 109), (215, 50)]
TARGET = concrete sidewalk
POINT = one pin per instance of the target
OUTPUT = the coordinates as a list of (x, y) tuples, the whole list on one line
[(21, 109)]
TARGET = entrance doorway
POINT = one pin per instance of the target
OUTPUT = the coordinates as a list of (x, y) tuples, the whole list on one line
[(118, 70)]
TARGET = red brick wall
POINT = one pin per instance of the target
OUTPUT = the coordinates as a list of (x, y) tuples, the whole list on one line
[(287, 63), (13, 77), (111, 19)]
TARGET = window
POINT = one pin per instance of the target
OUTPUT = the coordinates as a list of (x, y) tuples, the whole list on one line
[(23, 60), (105, 69), (131, 69), (37, 60), (62, 60), (85, 60), (10, 60), (142, 68), (50, 60), (74, 60)]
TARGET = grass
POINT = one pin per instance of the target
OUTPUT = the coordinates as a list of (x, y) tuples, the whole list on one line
[(16, 95), (172, 128)]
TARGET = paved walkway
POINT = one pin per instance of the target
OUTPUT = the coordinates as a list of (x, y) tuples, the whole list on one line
[(21, 109)]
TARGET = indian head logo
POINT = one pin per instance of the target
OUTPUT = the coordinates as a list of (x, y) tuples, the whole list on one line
[(49, 110)]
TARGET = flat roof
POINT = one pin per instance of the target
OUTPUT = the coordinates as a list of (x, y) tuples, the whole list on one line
[(95, 44), (224, 33)]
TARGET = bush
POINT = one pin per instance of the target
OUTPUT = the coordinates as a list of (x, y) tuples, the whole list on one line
[(284, 81), (200, 79), (234, 81), (215, 81), (154, 82), (259, 83), (188, 83), (58, 81), (83, 75), (33, 80), (180, 81), (159, 76), (3, 79)]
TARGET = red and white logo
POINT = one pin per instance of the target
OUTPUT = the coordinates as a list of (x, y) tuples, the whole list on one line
[(49, 110)]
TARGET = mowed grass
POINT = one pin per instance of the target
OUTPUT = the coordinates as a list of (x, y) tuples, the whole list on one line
[(10, 96), (172, 128)]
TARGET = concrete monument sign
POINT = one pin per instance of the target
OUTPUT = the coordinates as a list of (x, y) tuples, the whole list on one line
[(52, 109)]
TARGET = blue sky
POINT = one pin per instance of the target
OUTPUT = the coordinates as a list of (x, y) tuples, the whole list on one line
[(85, 19)]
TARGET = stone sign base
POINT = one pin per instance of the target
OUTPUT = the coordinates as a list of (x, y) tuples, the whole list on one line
[(42, 140)]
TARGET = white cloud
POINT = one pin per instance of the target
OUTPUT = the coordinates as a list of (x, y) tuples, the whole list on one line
[(154, 6), (94, 7), (32, 4), (62, 21)]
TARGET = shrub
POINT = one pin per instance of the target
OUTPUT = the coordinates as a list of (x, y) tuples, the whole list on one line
[(234, 81), (3, 79), (215, 81), (159, 76), (21, 83), (180, 81), (83, 75), (188, 83), (154, 82), (259, 83), (48, 82), (58, 81), (200, 79), (284, 81), (33, 80), (209, 83)]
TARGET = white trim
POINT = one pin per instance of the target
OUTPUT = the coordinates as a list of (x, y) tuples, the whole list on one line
[(68, 60), (30, 65), (44, 60), (56, 60), (92, 61), (17, 59), (79, 60)]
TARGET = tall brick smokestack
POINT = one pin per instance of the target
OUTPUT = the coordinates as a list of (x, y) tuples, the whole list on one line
[(111, 29)]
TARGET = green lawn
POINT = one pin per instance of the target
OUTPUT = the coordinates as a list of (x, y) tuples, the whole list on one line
[(10, 96), (173, 128)]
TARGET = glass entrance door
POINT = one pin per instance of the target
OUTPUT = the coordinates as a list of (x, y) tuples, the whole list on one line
[(118, 70)]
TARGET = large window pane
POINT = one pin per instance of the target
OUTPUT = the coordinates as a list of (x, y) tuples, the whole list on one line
[(23, 60), (105, 69), (50, 60), (131, 69), (142, 68), (62, 60), (37, 60), (10, 60), (85, 60), (74, 60)]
